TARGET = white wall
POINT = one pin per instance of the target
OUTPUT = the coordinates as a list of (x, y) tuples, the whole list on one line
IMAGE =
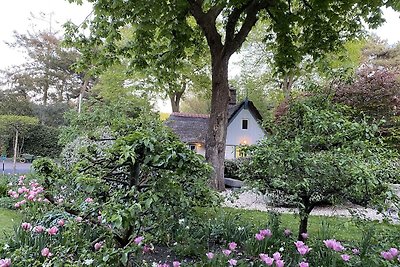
[(237, 136)]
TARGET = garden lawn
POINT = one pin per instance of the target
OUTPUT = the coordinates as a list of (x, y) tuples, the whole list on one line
[(8, 218), (340, 228)]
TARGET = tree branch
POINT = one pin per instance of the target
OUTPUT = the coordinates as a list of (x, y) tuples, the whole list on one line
[(251, 19), (214, 12), (207, 23), (233, 20)]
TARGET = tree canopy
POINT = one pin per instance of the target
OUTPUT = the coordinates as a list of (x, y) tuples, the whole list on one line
[(47, 74), (166, 31), (319, 153)]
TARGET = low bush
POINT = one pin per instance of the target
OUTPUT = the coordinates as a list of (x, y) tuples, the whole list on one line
[(42, 141)]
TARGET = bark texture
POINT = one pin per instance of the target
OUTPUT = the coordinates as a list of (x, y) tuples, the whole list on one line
[(239, 23)]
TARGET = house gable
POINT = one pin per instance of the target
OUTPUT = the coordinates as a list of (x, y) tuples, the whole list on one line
[(243, 128)]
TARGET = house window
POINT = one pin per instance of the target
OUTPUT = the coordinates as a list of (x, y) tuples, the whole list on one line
[(240, 152), (192, 147), (245, 124)]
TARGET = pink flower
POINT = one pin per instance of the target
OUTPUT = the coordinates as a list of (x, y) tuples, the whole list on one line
[(387, 255), (89, 200), (78, 219), (61, 223), (26, 226), (5, 262), (355, 251), (176, 264), (98, 245), (226, 252), (345, 257), (46, 252), (393, 251), (38, 229), (210, 255), (232, 246), (303, 250), (299, 244), (287, 232), (53, 230), (138, 240), (303, 264), (265, 258), (304, 235), (146, 249), (266, 232), (333, 244), (232, 262), (279, 263), (260, 237), (276, 256), (163, 265)]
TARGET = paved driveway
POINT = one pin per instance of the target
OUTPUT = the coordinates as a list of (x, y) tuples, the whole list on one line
[(8, 167)]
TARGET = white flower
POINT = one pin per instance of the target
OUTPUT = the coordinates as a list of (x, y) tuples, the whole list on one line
[(240, 228), (88, 262), (155, 264), (181, 221), (281, 249), (6, 246)]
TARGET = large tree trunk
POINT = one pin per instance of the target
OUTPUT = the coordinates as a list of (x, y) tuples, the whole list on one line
[(240, 22), (216, 135)]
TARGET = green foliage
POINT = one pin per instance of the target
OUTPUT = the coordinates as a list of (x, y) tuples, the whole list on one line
[(47, 71), (42, 141), (319, 154), (15, 122), (233, 167), (131, 177), (14, 104)]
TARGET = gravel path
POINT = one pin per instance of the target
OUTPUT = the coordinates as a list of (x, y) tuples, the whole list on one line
[(256, 201)]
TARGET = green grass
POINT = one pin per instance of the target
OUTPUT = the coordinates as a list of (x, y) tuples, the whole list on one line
[(8, 218), (341, 228)]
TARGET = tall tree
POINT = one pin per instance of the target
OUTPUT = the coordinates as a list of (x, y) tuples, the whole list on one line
[(47, 73), (299, 28)]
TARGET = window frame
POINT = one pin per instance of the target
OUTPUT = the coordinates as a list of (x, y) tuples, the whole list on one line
[(247, 124)]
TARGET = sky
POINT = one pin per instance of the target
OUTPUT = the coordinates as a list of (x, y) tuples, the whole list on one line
[(16, 16), (17, 13)]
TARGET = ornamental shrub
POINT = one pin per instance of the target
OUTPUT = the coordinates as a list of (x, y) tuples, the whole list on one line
[(42, 141), (319, 154), (141, 183)]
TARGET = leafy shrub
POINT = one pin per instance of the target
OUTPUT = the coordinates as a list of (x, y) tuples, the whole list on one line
[(141, 184), (3, 189), (42, 141), (233, 167), (319, 154)]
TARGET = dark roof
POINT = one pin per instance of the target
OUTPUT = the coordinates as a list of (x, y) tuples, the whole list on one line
[(192, 128), (245, 104)]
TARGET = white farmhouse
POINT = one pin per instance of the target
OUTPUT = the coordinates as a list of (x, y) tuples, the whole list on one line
[(243, 127)]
